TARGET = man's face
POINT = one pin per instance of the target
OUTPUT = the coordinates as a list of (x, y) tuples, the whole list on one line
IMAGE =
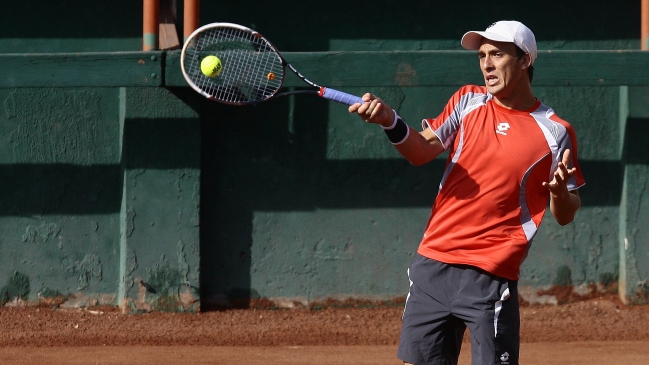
[(503, 72)]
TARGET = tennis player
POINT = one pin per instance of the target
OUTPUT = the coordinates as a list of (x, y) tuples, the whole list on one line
[(508, 154)]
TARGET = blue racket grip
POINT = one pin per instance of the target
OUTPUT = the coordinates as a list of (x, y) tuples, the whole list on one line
[(339, 96)]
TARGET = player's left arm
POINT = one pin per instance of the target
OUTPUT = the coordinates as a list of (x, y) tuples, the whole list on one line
[(564, 203)]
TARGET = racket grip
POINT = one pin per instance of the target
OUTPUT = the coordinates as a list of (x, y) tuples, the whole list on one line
[(339, 96)]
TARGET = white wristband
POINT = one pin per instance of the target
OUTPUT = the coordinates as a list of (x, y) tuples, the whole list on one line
[(394, 123)]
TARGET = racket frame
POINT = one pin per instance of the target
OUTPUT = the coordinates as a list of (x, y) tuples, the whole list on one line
[(321, 91)]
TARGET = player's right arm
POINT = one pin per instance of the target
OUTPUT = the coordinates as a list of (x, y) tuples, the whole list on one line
[(420, 148), (417, 147)]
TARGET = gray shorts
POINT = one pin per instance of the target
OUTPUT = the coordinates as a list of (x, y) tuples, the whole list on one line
[(444, 300)]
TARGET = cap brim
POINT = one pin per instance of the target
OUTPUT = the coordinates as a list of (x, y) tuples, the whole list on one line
[(472, 40)]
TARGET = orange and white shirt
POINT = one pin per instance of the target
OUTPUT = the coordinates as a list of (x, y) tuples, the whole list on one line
[(491, 199)]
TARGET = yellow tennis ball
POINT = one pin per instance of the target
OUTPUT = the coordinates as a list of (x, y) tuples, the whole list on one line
[(211, 66)]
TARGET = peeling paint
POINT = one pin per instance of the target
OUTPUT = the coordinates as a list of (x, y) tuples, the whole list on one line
[(81, 300), (133, 174), (45, 231), (51, 297), (87, 269), (18, 287), (326, 251), (130, 221), (406, 75), (130, 265), (163, 276), (183, 266), (131, 260), (166, 287), (10, 105)]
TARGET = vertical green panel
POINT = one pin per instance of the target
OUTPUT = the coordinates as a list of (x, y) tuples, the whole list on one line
[(160, 209), (634, 237), (59, 193), (634, 213)]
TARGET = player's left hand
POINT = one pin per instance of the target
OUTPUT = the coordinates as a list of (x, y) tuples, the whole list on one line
[(558, 185)]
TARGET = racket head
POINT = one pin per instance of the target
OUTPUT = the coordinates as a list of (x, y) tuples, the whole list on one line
[(252, 68)]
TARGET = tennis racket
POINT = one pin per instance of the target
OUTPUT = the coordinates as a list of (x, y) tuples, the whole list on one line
[(252, 69)]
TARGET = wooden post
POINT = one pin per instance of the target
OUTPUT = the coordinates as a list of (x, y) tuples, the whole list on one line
[(192, 17), (151, 21), (644, 26)]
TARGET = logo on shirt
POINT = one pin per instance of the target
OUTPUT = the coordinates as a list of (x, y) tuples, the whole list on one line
[(504, 357), (502, 128)]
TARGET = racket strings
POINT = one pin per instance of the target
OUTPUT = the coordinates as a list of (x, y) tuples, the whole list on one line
[(252, 70)]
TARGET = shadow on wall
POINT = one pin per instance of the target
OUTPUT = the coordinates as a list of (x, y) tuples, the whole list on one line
[(44, 189), (310, 26), (254, 159)]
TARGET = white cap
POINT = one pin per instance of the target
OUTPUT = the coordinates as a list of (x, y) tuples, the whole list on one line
[(503, 31)]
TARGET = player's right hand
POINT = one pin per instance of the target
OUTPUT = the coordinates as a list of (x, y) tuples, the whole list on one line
[(373, 110)]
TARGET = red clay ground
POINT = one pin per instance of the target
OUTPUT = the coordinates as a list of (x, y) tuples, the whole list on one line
[(600, 328)]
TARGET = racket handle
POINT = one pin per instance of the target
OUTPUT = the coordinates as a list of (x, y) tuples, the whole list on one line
[(339, 96)]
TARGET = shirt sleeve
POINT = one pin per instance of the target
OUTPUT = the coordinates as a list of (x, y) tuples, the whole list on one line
[(448, 123), (567, 140)]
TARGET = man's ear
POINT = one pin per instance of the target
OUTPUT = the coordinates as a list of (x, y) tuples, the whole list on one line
[(526, 61)]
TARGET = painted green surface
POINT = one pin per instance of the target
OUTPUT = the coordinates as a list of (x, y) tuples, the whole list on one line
[(440, 68), (159, 236), (59, 168), (301, 213), (87, 69), (291, 198), (69, 159), (306, 216), (634, 205), (119, 185), (150, 41)]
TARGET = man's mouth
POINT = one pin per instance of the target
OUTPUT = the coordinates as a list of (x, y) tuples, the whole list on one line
[(491, 80)]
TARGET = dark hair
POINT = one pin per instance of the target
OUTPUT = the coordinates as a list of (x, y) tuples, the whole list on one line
[(530, 70)]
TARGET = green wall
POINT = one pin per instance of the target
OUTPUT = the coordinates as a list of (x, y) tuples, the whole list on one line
[(60, 190), (122, 186), (314, 203)]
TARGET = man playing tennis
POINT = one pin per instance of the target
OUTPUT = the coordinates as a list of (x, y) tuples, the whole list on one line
[(508, 153)]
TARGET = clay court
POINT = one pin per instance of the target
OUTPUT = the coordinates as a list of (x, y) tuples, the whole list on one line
[(595, 331)]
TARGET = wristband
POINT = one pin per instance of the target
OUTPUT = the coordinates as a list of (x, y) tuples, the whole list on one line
[(397, 132), (394, 122)]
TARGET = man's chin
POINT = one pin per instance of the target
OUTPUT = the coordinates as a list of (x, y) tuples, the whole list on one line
[(494, 90)]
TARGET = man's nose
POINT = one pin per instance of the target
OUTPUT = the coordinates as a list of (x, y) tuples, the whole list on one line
[(486, 63)]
